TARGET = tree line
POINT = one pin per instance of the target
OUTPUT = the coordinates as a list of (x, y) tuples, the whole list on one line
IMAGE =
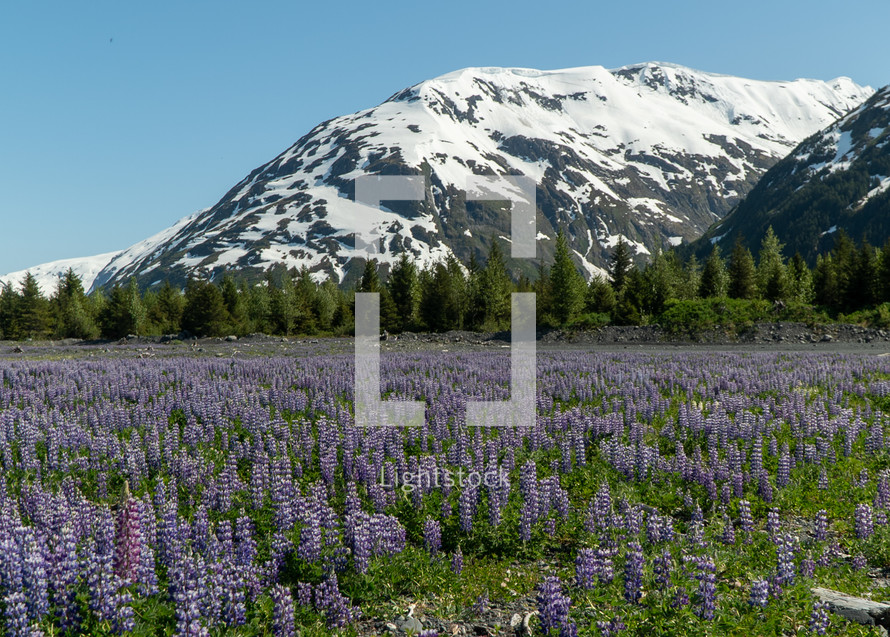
[(450, 295)]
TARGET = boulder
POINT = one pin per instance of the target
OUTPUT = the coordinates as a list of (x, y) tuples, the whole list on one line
[(857, 609)]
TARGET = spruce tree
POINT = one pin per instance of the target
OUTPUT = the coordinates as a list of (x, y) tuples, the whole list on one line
[(825, 283), (714, 278), (166, 311), (742, 274), (566, 284), (370, 281), (9, 300), (621, 263), (72, 317), (235, 305), (800, 280), (884, 274), (205, 311), (403, 290), (32, 311), (124, 314), (443, 296), (600, 296), (771, 276), (494, 292)]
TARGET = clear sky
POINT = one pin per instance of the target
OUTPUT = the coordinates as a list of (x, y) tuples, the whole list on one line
[(117, 117)]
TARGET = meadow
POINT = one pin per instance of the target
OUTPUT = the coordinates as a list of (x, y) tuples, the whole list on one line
[(678, 493)]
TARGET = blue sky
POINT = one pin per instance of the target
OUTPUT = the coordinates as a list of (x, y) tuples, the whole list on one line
[(118, 118)]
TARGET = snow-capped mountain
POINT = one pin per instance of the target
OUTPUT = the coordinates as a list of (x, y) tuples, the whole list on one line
[(837, 179), (652, 152)]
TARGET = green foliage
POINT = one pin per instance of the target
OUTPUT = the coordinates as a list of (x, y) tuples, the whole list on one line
[(714, 280), (403, 289), (125, 312), (742, 274), (566, 284), (205, 312)]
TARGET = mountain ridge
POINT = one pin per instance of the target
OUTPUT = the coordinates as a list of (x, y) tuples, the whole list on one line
[(654, 153), (837, 179)]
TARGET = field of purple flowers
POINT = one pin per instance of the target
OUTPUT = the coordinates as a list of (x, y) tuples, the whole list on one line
[(684, 493)]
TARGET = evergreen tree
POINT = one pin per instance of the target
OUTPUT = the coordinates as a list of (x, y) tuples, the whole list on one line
[(843, 258), (403, 290), (493, 294), (771, 277), (124, 314), (862, 290), (443, 296), (714, 278), (9, 300), (370, 281), (629, 310), (600, 296), (884, 274), (327, 298), (566, 284), (165, 313), (72, 318), (205, 311), (742, 274), (827, 290), (800, 280), (621, 264), (305, 294), (687, 285), (32, 318), (235, 305)]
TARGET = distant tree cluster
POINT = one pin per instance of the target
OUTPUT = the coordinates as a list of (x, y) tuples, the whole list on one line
[(449, 295)]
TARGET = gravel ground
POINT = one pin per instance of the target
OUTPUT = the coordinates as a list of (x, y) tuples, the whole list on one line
[(760, 337)]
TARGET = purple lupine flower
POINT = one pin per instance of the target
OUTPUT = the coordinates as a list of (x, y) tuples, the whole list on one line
[(553, 608), (882, 497), (707, 590), (246, 551), (785, 560), (64, 578), (681, 598), (759, 593), (746, 522), (661, 567), (863, 522), (819, 619), (772, 524), (783, 476), (328, 599), (457, 562), (728, 536), (859, 562), (633, 573), (613, 627), (585, 568), (304, 594), (432, 536), (34, 576), (820, 526), (764, 488), (128, 538), (807, 567), (283, 617)]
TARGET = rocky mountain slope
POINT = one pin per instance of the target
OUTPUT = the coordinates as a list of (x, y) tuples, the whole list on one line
[(654, 152), (837, 179)]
